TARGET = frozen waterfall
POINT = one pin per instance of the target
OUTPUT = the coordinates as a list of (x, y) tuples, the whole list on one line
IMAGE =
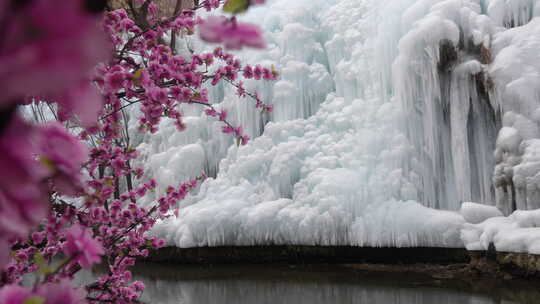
[(388, 115)]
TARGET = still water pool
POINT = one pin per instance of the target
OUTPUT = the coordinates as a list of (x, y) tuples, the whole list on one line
[(284, 284)]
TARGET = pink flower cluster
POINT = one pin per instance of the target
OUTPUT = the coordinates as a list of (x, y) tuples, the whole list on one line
[(82, 247), (49, 60), (42, 55), (211, 4), (54, 55), (49, 293), (34, 155), (162, 81), (123, 231), (233, 34)]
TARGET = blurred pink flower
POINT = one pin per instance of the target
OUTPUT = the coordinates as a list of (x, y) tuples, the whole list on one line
[(14, 294), (63, 154), (49, 46), (4, 254), (61, 293), (22, 193), (82, 246), (234, 35), (81, 100)]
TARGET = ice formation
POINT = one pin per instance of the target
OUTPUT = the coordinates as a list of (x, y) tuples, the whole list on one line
[(519, 232), (303, 85), (467, 76), (326, 180), (388, 115)]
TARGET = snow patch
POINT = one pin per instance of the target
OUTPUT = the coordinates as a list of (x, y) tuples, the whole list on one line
[(476, 213), (519, 232)]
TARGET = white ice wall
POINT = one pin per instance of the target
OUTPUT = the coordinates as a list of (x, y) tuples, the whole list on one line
[(384, 108), (464, 70), (295, 48), (336, 177)]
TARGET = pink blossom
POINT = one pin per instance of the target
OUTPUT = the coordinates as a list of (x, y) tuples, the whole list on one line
[(223, 115), (118, 164), (227, 129), (17, 147), (211, 112), (267, 74), (63, 155), (22, 194), (143, 71), (157, 94), (138, 286), (114, 81), (152, 9), (257, 72), (234, 35), (45, 54), (61, 293), (81, 101), (241, 91), (211, 4), (4, 253), (216, 79), (208, 58), (80, 245), (244, 140), (158, 243), (14, 294), (248, 72)]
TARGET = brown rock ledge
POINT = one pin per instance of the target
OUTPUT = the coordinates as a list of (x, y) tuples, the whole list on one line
[(308, 255)]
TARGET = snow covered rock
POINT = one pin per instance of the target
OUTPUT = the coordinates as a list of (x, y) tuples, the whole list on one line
[(476, 213), (519, 232)]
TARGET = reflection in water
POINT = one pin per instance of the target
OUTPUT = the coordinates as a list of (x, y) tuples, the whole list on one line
[(276, 284), (249, 292)]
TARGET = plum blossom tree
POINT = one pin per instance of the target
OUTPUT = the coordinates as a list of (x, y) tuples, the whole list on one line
[(69, 198)]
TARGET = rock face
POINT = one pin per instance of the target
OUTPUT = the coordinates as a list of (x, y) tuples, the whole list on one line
[(479, 264), (166, 8), (506, 265), (520, 263), (308, 255)]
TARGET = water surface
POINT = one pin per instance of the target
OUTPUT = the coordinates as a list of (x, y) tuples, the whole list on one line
[(284, 284)]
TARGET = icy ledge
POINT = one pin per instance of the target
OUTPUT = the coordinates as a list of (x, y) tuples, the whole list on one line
[(518, 233), (327, 180), (390, 224), (282, 222)]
